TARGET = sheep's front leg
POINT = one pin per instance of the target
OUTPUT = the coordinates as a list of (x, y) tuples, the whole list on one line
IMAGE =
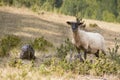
[(70, 60), (86, 50), (79, 55), (85, 54)]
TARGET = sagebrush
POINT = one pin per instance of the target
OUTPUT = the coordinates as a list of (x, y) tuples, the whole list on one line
[(7, 43)]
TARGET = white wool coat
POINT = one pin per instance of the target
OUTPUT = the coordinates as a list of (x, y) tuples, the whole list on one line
[(88, 40)]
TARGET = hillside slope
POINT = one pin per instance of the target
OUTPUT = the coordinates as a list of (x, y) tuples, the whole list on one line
[(29, 25)]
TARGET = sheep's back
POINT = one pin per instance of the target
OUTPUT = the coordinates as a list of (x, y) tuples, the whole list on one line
[(96, 41)]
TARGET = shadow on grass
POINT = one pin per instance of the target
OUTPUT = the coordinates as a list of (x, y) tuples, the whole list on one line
[(30, 27)]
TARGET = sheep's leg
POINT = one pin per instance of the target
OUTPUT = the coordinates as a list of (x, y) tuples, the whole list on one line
[(104, 52), (70, 56), (85, 54), (79, 54), (97, 54)]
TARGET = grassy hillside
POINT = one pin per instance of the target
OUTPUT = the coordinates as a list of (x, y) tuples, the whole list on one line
[(29, 25)]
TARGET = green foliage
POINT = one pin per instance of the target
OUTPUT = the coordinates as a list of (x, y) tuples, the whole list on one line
[(43, 70), (58, 3), (1, 3), (93, 25), (48, 6), (107, 16), (118, 18), (41, 44), (20, 3), (15, 63), (35, 8), (114, 55), (7, 2), (64, 49), (68, 7), (7, 43), (92, 10), (104, 65), (108, 10), (99, 67)]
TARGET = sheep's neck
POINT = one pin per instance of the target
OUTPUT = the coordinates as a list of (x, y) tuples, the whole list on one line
[(77, 38)]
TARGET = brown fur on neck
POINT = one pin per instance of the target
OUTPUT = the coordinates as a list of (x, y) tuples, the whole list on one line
[(77, 40)]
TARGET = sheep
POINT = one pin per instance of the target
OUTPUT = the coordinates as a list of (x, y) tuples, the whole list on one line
[(27, 52), (89, 42)]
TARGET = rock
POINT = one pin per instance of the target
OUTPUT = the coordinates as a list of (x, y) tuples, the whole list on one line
[(27, 52)]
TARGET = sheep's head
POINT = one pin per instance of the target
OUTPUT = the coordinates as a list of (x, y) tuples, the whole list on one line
[(74, 25)]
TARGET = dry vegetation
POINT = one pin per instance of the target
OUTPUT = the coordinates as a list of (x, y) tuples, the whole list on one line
[(28, 26)]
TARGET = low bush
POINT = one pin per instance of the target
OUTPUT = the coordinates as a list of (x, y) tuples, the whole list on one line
[(64, 49), (114, 55), (93, 25), (59, 66), (99, 67), (7, 43), (15, 63), (41, 44)]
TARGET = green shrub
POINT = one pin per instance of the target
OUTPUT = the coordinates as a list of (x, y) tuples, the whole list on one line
[(47, 6), (99, 67), (64, 49), (114, 55), (7, 43), (15, 63), (108, 16), (93, 25), (1, 3), (43, 70), (41, 44), (35, 8)]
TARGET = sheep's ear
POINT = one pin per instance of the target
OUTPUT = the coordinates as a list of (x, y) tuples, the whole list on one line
[(83, 26), (80, 23), (68, 22)]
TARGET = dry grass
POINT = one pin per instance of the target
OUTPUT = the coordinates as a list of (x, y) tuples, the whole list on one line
[(29, 25)]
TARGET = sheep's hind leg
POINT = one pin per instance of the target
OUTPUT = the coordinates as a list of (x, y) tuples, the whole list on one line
[(97, 54), (85, 54), (104, 52)]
